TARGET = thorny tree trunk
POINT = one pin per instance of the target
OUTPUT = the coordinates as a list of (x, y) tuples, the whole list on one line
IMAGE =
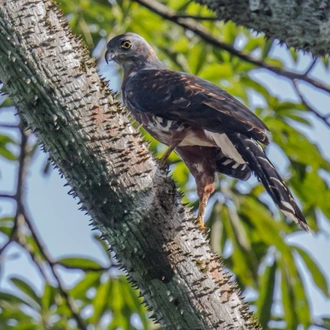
[(55, 86), (300, 24)]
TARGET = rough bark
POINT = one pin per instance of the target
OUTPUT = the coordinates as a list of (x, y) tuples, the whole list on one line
[(300, 24), (48, 74)]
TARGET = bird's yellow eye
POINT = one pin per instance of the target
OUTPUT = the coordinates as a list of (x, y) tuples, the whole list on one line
[(126, 44)]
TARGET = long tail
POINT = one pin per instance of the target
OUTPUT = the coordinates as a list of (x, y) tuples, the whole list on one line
[(258, 162)]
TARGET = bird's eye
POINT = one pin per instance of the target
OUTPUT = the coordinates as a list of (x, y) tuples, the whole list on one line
[(126, 44)]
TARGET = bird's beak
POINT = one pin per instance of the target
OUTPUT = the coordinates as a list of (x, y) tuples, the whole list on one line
[(109, 55)]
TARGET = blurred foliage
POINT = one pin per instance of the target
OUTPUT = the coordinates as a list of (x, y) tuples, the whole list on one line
[(246, 231)]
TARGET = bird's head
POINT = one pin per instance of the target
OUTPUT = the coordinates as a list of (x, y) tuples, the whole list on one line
[(131, 51)]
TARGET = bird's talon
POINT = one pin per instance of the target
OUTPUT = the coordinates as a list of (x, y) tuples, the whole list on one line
[(201, 227), (163, 165)]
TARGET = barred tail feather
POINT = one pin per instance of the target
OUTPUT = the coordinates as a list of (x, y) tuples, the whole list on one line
[(254, 155)]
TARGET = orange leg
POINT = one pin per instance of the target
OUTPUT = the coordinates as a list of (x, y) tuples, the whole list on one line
[(201, 164), (204, 195)]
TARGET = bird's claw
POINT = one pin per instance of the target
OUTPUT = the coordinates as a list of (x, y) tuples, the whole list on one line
[(201, 227), (162, 164), (204, 230)]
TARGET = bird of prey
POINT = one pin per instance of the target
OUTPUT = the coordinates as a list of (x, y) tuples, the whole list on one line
[(209, 129)]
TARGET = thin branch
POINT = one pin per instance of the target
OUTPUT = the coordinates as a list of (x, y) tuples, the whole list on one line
[(4, 247), (42, 248), (17, 197), (198, 18), (22, 165), (311, 66), (311, 109), (22, 217), (7, 196), (21, 240), (205, 34), (8, 126)]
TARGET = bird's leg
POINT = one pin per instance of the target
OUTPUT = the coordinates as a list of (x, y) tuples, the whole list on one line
[(176, 138), (167, 153), (204, 193)]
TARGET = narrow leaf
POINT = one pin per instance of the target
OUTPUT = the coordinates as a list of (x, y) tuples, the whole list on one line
[(26, 288)]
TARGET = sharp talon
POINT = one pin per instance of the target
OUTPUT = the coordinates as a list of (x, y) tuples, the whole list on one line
[(163, 165), (200, 222), (205, 230), (202, 228)]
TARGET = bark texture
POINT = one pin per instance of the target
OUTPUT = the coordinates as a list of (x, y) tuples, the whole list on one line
[(300, 24), (50, 77)]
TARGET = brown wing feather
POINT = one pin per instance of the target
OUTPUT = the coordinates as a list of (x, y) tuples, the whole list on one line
[(195, 101)]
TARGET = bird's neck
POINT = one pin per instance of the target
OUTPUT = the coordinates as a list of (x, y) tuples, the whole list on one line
[(132, 67)]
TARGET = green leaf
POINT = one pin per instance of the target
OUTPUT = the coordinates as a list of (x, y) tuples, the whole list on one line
[(197, 58), (91, 280), (313, 190), (274, 62), (295, 144), (326, 322), (254, 43), (325, 61), (4, 151), (255, 86), (266, 49), (294, 280), (229, 32), (242, 261), (12, 299), (314, 270), (216, 72), (48, 298), (6, 102), (267, 229), (82, 263), (294, 54), (100, 301), (6, 225), (266, 295), (290, 315), (26, 288)]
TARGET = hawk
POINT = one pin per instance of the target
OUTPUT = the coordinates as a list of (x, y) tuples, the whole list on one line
[(207, 127)]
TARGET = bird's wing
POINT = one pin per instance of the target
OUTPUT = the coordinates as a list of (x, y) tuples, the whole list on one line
[(192, 100)]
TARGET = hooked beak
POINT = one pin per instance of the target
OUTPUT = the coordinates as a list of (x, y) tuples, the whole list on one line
[(109, 55)]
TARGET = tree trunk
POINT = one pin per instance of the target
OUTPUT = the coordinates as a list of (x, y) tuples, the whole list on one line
[(50, 77), (300, 24)]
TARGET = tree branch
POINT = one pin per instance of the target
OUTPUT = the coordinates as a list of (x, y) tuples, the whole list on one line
[(206, 35), (42, 248), (138, 208), (21, 217), (310, 67), (10, 126), (197, 18), (286, 20), (17, 197), (310, 108), (7, 196)]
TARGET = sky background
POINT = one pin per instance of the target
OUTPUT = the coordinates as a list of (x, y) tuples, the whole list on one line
[(66, 231)]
